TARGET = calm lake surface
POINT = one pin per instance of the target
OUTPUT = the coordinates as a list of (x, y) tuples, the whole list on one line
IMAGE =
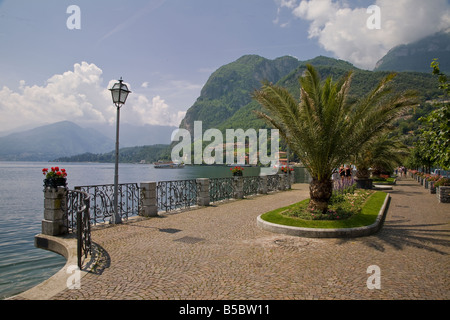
[(23, 266)]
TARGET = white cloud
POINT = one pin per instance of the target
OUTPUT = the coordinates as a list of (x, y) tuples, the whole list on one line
[(343, 30), (78, 96)]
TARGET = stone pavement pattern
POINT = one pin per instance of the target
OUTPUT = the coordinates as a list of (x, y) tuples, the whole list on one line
[(218, 252)]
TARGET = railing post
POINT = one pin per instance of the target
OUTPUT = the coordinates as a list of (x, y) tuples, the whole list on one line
[(54, 222), (149, 199), (238, 187), (203, 191)]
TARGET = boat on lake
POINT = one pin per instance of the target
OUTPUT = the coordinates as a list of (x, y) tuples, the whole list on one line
[(168, 165)]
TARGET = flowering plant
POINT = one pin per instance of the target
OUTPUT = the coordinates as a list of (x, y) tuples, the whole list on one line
[(237, 171), (287, 169), (433, 178), (442, 182), (55, 173)]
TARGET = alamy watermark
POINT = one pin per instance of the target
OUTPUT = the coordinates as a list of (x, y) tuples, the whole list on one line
[(74, 20), (74, 280), (374, 280), (374, 21), (235, 145)]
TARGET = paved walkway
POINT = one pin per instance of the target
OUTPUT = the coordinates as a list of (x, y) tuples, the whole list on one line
[(218, 252)]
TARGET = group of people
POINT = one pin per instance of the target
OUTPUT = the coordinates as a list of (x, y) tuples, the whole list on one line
[(345, 172), (401, 171)]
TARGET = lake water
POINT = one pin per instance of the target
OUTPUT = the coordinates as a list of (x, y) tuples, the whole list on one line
[(22, 265)]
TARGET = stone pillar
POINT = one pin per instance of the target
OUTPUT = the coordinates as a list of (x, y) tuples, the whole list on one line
[(263, 185), (149, 199), (292, 179), (281, 181), (202, 191), (238, 187), (54, 223)]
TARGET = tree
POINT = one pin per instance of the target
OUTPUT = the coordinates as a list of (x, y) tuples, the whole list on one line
[(435, 136), (324, 128), (382, 154)]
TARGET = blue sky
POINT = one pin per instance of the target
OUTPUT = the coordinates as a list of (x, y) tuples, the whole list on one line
[(166, 49)]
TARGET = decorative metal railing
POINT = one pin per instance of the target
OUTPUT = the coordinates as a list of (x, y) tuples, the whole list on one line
[(220, 189), (172, 195), (272, 182), (251, 185), (102, 200), (77, 217)]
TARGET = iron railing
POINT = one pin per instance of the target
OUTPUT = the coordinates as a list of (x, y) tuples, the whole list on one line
[(251, 185), (77, 218), (173, 195), (220, 189), (102, 201), (272, 182)]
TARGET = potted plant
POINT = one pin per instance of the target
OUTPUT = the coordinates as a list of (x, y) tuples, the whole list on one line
[(431, 181), (237, 171), (287, 170), (54, 178), (443, 189)]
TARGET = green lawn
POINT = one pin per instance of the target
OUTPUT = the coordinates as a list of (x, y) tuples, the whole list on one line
[(388, 181), (367, 216)]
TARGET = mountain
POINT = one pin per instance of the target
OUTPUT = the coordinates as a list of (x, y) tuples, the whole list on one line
[(418, 56), (52, 141), (148, 154), (229, 88), (225, 101)]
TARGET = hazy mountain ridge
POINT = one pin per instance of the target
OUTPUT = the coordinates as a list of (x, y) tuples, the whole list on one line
[(65, 139), (418, 55)]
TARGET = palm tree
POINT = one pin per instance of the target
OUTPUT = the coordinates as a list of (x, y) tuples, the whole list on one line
[(324, 129), (381, 153)]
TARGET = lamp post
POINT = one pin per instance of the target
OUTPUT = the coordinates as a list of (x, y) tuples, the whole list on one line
[(119, 93)]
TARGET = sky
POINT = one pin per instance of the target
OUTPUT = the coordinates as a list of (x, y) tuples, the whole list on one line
[(57, 63)]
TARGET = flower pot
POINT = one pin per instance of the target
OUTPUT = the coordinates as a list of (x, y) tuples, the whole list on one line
[(237, 174), (432, 187), (55, 182)]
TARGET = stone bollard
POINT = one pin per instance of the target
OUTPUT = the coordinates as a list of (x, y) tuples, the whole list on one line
[(149, 200), (55, 222), (202, 191), (238, 187)]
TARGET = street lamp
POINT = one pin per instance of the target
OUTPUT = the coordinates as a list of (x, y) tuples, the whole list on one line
[(119, 93)]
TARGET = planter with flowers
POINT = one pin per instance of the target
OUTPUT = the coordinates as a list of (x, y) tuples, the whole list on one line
[(431, 181), (287, 170), (237, 171), (443, 189), (55, 178)]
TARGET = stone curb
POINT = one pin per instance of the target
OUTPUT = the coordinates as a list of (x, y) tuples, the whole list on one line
[(67, 247), (327, 233)]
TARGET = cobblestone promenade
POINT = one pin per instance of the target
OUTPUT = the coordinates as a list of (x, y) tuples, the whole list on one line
[(218, 252)]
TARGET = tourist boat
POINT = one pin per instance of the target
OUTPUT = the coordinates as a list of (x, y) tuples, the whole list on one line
[(168, 165)]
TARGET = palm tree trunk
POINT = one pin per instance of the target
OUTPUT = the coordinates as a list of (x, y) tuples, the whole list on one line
[(320, 192)]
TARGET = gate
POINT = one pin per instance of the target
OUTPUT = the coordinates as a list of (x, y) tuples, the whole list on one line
[(78, 221)]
